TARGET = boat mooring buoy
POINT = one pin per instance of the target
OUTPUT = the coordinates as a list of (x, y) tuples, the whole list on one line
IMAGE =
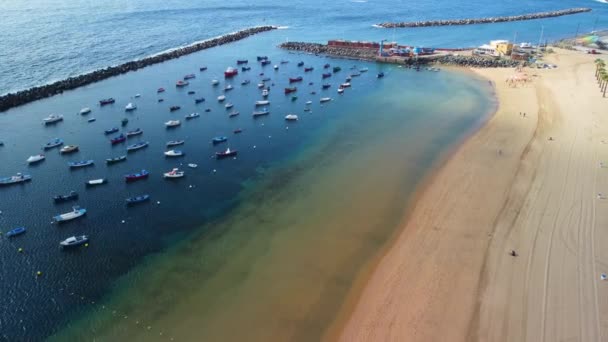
[(20, 250), (38, 274)]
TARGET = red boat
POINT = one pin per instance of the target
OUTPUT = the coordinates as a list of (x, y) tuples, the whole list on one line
[(181, 83), (160, 90), (327, 75), (290, 90), (106, 101), (118, 139), (297, 79), (231, 72), (308, 69), (137, 176), (225, 154)]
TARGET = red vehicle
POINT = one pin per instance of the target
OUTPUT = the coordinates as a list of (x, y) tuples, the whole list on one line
[(231, 72), (290, 90)]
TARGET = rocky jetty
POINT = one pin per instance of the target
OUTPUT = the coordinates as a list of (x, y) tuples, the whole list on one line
[(531, 16), (22, 97), (343, 52), (475, 62)]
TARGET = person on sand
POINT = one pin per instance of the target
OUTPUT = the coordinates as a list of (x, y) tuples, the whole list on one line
[(513, 253)]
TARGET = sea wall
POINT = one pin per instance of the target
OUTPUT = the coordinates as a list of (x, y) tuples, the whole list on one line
[(22, 97), (343, 52), (530, 16)]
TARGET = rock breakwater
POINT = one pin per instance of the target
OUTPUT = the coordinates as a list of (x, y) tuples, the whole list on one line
[(530, 16), (334, 51), (25, 96)]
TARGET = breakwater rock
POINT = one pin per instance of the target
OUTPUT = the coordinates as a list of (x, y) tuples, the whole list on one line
[(22, 97), (334, 51), (475, 62), (530, 16)]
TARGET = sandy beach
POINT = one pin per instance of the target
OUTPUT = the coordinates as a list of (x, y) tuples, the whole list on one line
[(525, 183)]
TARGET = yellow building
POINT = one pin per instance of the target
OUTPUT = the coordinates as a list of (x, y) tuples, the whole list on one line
[(504, 48)]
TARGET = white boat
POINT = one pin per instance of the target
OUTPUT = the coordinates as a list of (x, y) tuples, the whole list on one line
[(340, 90), (35, 159), (345, 85), (174, 153), (137, 96), (173, 123), (228, 87), (291, 117), (74, 214), (262, 103), (261, 85), (85, 111), (94, 182), (221, 98), (130, 106), (228, 105), (276, 67), (215, 82), (68, 149), (192, 116), (325, 99), (308, 102), (175, 173), (363, 70), (265, 93), (192, 166), (74, 241), (52, 119)]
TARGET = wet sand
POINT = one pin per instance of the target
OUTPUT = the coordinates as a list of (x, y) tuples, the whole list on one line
[(449, 275)]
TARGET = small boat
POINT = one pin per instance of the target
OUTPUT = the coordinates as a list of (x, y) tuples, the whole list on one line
[(51, 119), (215, 82), (96, 182), (261, 113), (363, 70), (106, 101), (336, 69), (265, 79), (134, 132), (174, 153), (295, 79), (275, 67), (345, 85), (307, 110), (192, 166), (111, 130), (92, 120), (124, 122), (199, 100), (265, 62), (192, 116), (160, 90), (207, 110), (35, 159), (326, 75), (203, 68), (356, 74), (191, 92), (262, 58), (340, 90), (85, 111), (290, 90), (326, 86), (284, 61), (116, 159), (230, 72), (245, 68), (189, 76), (137, 146), (68, 149), (181, 84), (161, 100), (261, 85), (18, 178), (380, 75), (52, 144), (174, 108), (15, 232), (175, 173), (348, 79), (308, 103), (309, 69), (130, 107), (313, 92), (221, 98), (219, 140), (137, 199), (300, 64), (242, 61), (291, 117), (74, 241), (326, 66), (175, 143), (137, 96), (245, 82), (74, 214), (325, 99), (262, 103), (237, 131), (172, 123), (225, 154), (293, 98), (233, 114), (81, 163), (72, 196), (228, 87), (143, 174), (265, 93)]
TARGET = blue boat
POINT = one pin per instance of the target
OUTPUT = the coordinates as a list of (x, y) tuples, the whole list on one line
[(19, 178), (219, 140), (134, 132), (81, 163), (137, 199), (111, 130), (15, 232), (137, 146), (245, 68), (74, 214), (53, 143)]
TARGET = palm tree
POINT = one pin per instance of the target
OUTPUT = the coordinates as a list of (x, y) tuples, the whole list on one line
[(599, 63), (599, 72), (602, 78), (605, 79)]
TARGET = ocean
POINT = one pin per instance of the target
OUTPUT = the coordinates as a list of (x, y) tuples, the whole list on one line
[(268, 242)]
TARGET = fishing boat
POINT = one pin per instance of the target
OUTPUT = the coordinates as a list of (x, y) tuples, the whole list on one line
[(199, 100), (325, 99), (215, 82), (91, 120), (18, 178), (116, 159), (106, 101), (175, 173), (68, 149), (326, 66), (137, 96), (245, 82), (52, 144), (137, 146), (137, 199), (295, 79), (233, 114), (111, 130), (336, 69), (74, 214), (230, 72), (326, 86), (191, 92), (174, 108), (237, 131), (172, 123), (160, 90), (192, 166), (119, 139), (143, 174), (35, 159), (308, 103), (300, 64), (262, 103), (363, 70), (380, 75), (189, 76), (308, 69), (15, 232), (51, 119), (73, 241), (174, 153), (85, 111), (228, 87), (192, 116), (175, 143), (203, 68), (262, 58), (130, 107), (242, 61), (340, 90), (96, 182), (81, 163), (261, 113), (72, 196), (245, 68), (290, 90), (181, 84), (275, 67), (221, 98), (345, 85), (265, 79), (326, 75), (265, 62), (134, 132), (291, 117), (225, 154), (124, 122), (265, 93), (284, 61), (348, 79), (219, 140)]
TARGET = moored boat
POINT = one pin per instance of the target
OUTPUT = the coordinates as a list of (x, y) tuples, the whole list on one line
[(326, 66), (35, 159), (74, 214), (345, 85), (219, 140), (72, 196), (276, 67), (81, 163), (336, 69), (172, 123), (228, 87), (265, 62), (230, 72), (221, 98), (261, 85), (242, 61), (18, 178), (175, 143), (326, 75), (118, 139), (290, 90), (245, 82), (85, 111), (191, 92), (237, 131), (92, 120), (225, 154), (175, 173), (116, 159), (106, 101), (134, 132), (52, 144), (295, 79), (340, 90), (228, 105), (192, 116), (132, 177), (181, 84), (307, 69), (137, 146), (68, 149), (262, 58), (189, 76), (137, 199), (300, 64), (74, 241), (262, 103), (124, 122), (291, 117), (203, 68), (325, 99), (326, 86), (215, 82), (51, 119), (130, 107), (160, 90), (174, 153), (111, 130), (174, 108), (265, 93), (261, 113), (95, 182), (15, 232), (199, 100), (245, 68), (380, 75), (363, 70), (192, 166), (233, 114)]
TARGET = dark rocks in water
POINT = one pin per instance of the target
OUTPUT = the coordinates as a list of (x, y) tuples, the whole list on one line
[(22, 97), (335, 51)]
